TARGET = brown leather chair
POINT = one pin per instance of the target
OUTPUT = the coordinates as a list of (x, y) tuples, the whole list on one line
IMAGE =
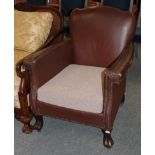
[(83, 79)]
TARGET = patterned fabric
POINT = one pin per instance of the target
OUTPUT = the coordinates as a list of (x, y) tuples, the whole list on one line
[(31, 29), (18, 55)]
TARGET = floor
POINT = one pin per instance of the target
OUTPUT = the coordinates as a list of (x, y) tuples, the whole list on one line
[(65, 138)]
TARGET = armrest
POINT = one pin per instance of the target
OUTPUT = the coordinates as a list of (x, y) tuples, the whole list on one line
[(114, 79), (45, 64), (119, 68)]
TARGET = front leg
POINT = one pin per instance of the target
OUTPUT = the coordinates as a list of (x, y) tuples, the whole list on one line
[(25, 115), (107, 139)]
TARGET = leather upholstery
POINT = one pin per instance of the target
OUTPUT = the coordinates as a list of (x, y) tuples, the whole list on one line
[(47, 63), (99, 37), (114, 79), (105, 33)]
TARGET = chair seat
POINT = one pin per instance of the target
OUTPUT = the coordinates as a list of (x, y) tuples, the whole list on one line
[(76, 87)]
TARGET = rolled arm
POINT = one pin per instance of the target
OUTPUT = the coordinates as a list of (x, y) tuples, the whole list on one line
[(119, 68), (45, 64)]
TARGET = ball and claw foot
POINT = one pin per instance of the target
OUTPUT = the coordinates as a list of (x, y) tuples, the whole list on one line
[(38, 124), (107, 139), (27, 128)]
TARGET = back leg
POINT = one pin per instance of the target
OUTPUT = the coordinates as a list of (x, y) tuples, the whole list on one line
[(39, 123)]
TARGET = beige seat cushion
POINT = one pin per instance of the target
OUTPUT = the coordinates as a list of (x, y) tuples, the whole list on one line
[(76, 87), (31, 29), (18, 55)]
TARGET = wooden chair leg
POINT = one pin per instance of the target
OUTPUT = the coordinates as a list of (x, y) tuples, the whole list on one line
[(39, 123), (25, 115), (25, 119), (107, 139), (27, 128)]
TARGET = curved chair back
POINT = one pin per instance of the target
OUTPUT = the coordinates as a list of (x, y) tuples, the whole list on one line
[(99, 35)]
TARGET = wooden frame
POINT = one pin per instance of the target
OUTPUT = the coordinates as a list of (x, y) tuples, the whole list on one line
[(24, 113)]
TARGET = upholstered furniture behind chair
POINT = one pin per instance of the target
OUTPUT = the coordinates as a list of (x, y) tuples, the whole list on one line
[(35, 29), (83, 79)]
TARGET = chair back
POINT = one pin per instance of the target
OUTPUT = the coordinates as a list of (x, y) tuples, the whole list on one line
[(100, 34)]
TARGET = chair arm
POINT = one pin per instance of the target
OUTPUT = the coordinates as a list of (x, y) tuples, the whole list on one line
[(119, 68), (114, 79), (46, 63)]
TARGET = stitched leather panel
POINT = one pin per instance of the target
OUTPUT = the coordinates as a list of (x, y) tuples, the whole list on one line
[(100, 34), (71, 115)]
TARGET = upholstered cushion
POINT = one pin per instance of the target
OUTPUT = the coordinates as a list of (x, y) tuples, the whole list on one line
[(76, 87), (18, 55), (16, 89), (31, 29)]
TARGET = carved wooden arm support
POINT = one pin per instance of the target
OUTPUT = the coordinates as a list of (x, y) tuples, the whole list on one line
[(25, 115), (24, 90), (24, 75)]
